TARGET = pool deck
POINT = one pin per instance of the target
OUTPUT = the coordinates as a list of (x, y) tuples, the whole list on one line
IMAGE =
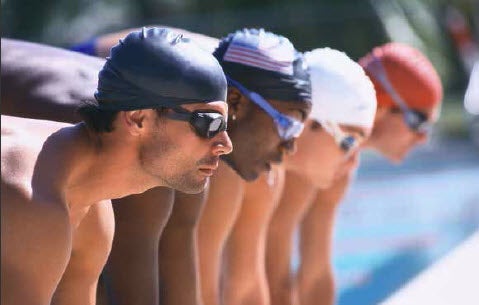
[(452, 280)]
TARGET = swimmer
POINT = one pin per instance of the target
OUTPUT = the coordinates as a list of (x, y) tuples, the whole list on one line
[(60, 177), (268, 101), (344, 106), (409, 94), (52, 85)]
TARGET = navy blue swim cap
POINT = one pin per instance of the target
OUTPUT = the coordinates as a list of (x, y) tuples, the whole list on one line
[(265, 63), (155, 68)]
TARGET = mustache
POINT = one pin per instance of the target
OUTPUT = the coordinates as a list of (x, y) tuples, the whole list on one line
[(208, 161)]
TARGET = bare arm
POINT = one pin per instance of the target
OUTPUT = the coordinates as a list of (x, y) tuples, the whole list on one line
[(131, 273), (217, 219), (244, 275), (315, 275), (178, 254), (297, 197), (91, 245)]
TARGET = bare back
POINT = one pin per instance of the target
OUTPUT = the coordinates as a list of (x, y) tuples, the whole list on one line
[(44, 82), (34, 219)]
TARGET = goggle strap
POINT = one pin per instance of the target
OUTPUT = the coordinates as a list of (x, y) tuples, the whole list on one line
[(383, 78), (255, 97)]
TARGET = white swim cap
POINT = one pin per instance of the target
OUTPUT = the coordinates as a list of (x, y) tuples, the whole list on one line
[(341, 92)]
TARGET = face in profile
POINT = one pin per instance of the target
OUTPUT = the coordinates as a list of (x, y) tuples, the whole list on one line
[(176, 154), (320, 157), (256, 140), (393, 138)]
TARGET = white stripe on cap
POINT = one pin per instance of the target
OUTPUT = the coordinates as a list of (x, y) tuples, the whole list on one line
[(265, 51)]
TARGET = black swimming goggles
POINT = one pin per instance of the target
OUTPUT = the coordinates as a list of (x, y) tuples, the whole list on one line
[(288, 127), (207, 124), (415, 120)]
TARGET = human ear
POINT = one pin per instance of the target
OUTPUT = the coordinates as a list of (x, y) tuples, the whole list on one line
[(134, 121), (237, 104)]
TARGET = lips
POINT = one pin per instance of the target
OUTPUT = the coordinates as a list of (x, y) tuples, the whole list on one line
[(208, 168), (207, 172)]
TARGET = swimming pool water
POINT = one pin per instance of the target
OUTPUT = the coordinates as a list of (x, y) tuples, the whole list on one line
[(396, 221)]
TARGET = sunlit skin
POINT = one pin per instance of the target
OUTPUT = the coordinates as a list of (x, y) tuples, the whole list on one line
[(177, 256), (257, 149), (33, 88), (315, 166), (392, 138), (244, 279), (97, 167), (314, 283)]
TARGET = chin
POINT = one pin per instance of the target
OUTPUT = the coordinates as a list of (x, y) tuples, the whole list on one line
[(395, 157), (248, 176), (192, 187), (399, 157), (324, 183), (245, 174)]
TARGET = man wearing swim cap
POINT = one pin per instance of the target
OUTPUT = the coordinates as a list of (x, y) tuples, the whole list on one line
[(409, 93), (260, 65), (52, 85), (342, 115), (160, 102)]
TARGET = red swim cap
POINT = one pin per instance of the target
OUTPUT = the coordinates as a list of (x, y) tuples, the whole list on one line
[(410, 73)]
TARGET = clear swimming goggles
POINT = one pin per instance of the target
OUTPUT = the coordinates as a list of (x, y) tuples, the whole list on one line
[(415, 120), (288, 127), (347, 142)]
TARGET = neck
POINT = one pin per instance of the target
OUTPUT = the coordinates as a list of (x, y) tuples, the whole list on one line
[(102, 167)]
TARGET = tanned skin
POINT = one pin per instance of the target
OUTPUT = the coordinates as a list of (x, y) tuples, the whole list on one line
[(246, 282), (176, 256), (44, 82), (316, 166), (50, 79), (220, 210), (315, 279)]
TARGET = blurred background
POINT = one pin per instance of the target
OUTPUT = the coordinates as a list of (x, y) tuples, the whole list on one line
[(396, 220)]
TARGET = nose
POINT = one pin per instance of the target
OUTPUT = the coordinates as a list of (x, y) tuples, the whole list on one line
[(222, 144), (288, 147)]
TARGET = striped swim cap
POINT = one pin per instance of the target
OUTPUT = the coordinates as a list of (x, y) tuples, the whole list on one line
[(265, 63)]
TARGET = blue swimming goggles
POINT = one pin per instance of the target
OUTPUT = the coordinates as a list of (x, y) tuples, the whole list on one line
[(347, 142), (415, 120), (288, 127)]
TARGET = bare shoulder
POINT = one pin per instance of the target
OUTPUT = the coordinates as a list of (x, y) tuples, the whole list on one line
[(22, 140)]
